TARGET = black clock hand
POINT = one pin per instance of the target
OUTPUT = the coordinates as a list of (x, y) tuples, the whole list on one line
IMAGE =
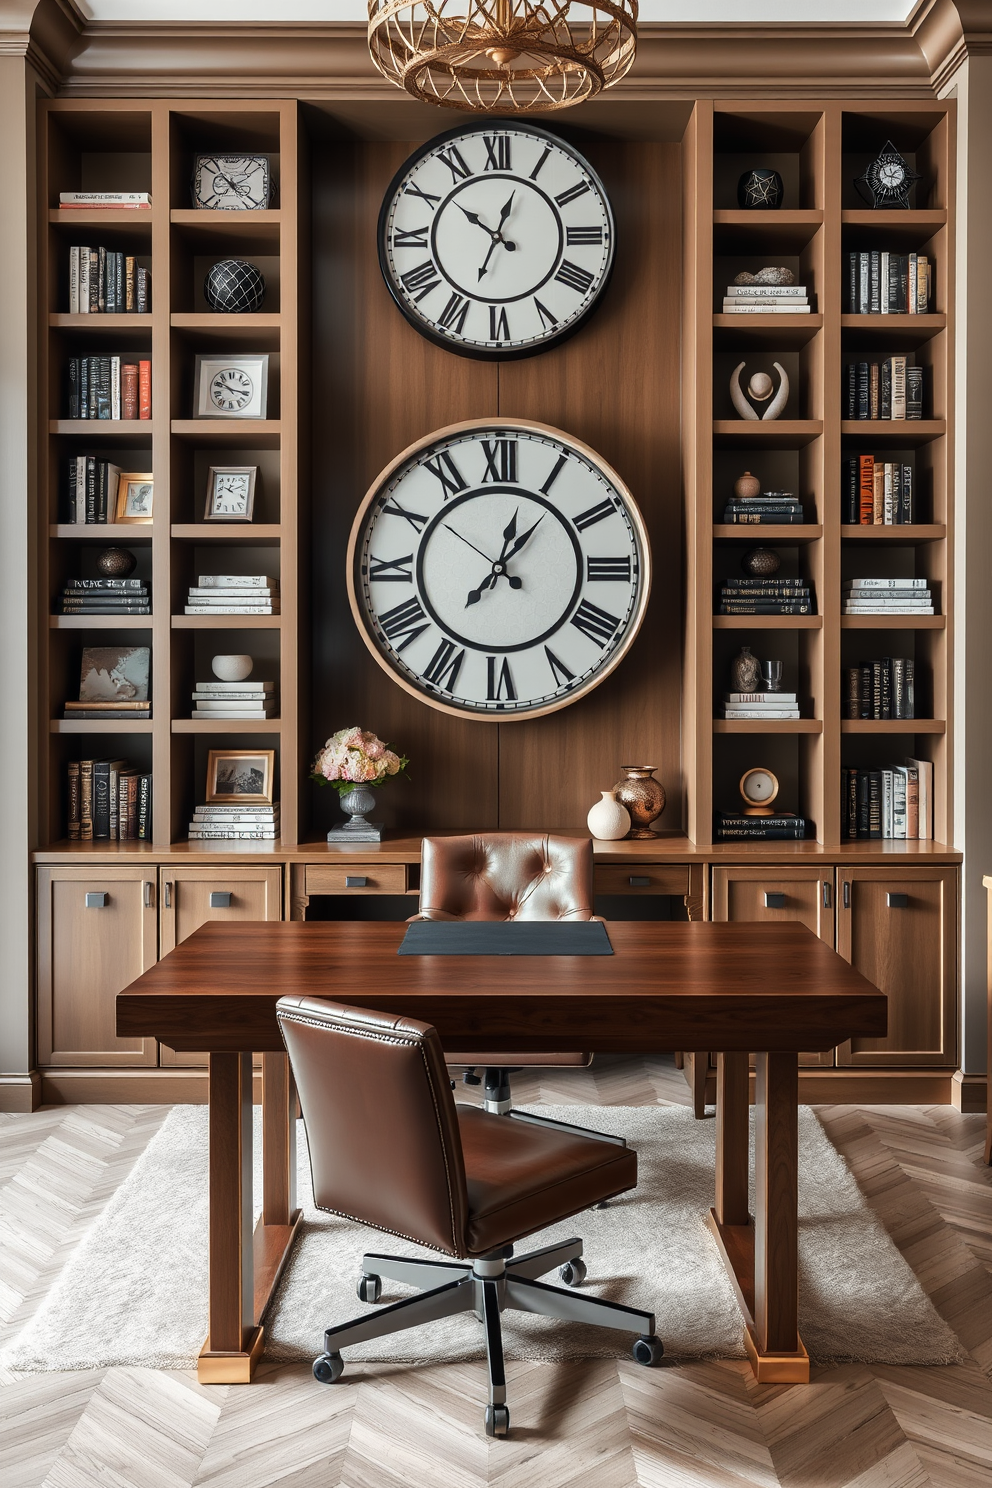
[(469, 544), (497, 236), (510, 552)]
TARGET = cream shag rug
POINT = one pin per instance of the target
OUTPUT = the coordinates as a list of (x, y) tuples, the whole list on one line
[(134, 1292)]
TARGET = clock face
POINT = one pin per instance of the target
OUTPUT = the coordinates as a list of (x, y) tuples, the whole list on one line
[(496, 240), (231, 182), (230, 495), (759, 787), (498, 571), (892, 174), (231, 389)]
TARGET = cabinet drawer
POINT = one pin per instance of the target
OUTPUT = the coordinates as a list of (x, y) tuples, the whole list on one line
[(356, 878), (641, 878)]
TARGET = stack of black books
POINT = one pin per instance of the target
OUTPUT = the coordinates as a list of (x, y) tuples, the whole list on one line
[(881, 689), (770, 506), (765, 597), (781, 826), (106, 597)]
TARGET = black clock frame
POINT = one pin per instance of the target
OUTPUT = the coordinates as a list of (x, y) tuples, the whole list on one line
[(475, 353)]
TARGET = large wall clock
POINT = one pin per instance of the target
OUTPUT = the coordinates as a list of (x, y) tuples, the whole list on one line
[(498, 570), (496, 239)]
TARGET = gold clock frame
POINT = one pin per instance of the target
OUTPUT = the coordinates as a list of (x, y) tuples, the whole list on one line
[(765, 809), (529, 426)]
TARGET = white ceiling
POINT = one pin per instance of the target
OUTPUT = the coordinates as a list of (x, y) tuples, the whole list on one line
[(707, 11)]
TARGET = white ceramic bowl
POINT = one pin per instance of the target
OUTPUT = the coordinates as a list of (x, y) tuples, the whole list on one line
[(232, 668)]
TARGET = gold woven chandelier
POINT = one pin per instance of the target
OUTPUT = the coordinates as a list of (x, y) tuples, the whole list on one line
[(511, 55)]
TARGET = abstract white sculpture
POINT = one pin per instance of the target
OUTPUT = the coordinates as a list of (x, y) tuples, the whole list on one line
[(760, 389)]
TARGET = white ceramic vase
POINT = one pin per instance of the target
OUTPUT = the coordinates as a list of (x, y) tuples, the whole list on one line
[(232, 668), (608, 820)]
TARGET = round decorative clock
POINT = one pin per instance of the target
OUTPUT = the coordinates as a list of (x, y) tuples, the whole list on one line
[(887, 180), (496, 240), (498, 570), (759, 787)]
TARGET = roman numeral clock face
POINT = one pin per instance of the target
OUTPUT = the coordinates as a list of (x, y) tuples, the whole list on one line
[(496, 240), (498, 571)]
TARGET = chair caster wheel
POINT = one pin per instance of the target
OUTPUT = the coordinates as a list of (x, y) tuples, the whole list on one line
[(497, 1420), (369, 1288), (573, 1273), (648, 1351), (328, 1368)]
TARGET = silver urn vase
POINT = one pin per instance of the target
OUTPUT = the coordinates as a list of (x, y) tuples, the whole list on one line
[(356, 803)]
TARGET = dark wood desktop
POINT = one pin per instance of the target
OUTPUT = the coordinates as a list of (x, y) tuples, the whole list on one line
[(668, 986)]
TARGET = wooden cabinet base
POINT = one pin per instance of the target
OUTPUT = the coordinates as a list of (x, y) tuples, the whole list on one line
[(735, 1243), (846, 1087), (228, 1368)]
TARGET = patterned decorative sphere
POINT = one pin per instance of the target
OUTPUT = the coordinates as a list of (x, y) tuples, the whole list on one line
[(761, 563), (116, 563), (234, 287), (760, 189)]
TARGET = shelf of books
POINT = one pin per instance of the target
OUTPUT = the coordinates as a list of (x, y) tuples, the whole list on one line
[(817, 453), (171, 256)]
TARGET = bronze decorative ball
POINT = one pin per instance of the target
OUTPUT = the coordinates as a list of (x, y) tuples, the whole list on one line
[(747, 486), (761, 563), (116, 563)]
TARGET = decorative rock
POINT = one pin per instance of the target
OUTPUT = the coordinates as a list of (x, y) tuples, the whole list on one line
[(766, 276), (608, 820), (233, 668), (745, 671), (761, 563), (116, 563), (747, 486)]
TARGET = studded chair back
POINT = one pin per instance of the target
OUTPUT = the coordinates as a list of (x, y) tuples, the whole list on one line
[(506, 876)]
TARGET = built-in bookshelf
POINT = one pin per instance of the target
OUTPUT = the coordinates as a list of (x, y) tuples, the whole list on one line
[(117, 145), (818, 151)]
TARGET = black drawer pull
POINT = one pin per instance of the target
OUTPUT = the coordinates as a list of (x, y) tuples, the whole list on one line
[(97, 901), (639, 883), (221, 899), (897, 901), (774, 901), (352, 881), (826, 893)]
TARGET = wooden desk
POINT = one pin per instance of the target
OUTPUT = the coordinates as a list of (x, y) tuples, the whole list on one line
[(668, 986)]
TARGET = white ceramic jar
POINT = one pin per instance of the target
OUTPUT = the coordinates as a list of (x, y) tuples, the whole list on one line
[(608, 820)]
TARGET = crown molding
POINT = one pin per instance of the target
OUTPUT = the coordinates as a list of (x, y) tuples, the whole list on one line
[(80, 58)]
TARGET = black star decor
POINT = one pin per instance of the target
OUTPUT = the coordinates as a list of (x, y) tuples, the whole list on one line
[(887, 180)]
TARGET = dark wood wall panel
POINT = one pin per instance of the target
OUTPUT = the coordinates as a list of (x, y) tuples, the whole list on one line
[(378, 386)]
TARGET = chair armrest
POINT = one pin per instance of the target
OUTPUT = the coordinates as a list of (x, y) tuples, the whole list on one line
[(563, 1126)]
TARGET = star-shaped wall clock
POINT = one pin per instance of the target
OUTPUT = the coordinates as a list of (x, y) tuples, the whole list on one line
[(887, 180)]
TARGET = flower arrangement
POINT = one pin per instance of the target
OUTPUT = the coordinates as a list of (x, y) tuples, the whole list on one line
[(352, 758)]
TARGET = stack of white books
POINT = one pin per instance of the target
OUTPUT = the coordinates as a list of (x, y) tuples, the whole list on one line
[(766, 299), (223, 700), (234, 594), (765, 705), (887, 597), (222, 823)]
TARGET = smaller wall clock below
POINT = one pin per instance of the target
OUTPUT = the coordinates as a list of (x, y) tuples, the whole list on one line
[(496, 240), (498, 570)]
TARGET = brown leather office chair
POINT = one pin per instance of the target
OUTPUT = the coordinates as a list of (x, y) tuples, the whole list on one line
[(390, 1148), (506, 876)]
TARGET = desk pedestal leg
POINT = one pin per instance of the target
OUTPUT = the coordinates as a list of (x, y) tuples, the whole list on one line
[(762, 1257)]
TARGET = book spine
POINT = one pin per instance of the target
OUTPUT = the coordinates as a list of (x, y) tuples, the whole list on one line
[(83, 305), (875, 272), (129, 391), (912, 285), (852, 692), (94, 296), (852, 390), (144, 808), (101, 280), (885, 389), (864, 283), (908, 503), (103, 387), (73, 802), (885, 802), (864, 814), (877, 494), (852, 494), (119, 282), (100, 504), (849, 796), (924, 271), (91, 488), (903, 687), (874, 803), (143, 290), (114, 803), (86, 800), (876, 689), (129, 300), (84, 387), (864, 391), (101, 799), (73, 281), (852, 284), (912, 801), (898, 406), (144, 390), (74, 388), (899, 801), (886, 681), (70, 505), (115, 387), (888, 493), (914, 392)]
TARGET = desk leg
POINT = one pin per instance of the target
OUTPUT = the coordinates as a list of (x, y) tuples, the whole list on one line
[(762, 1258)]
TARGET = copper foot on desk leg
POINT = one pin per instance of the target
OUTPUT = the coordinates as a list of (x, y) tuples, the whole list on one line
[(776, 1369), (229, 1368)]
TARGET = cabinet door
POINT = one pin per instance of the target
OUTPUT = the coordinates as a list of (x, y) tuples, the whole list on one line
[(96, 934), (898, 926), (191, 896), (776, 894)]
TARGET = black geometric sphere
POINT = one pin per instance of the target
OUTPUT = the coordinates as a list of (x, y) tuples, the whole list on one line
[(760, 189), (234, 287)]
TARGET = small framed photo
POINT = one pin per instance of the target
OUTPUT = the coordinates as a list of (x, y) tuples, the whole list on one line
[(240, 775), (235, 385), (135, 497), (230, 493)]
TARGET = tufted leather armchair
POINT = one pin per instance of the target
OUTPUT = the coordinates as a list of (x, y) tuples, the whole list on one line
[(506, 876)]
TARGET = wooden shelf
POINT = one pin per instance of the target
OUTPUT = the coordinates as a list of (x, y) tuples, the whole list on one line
[(137, 219), (906, 433), (928, 218), (268, 533), (776, 532), (249, 433), (893, 726), (226, 726), (100, 321), (118, 532), (768, 726), (893, 622), (100, 622), (767, 622), (784, 231), (777, 434), (226, 622), (100, 726), (913, 532), (261, 331), (764, 332), (133, 431)]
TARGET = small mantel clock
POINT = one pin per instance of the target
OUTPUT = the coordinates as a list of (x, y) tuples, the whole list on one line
[(496, 239), (498, 570), (887, 181)]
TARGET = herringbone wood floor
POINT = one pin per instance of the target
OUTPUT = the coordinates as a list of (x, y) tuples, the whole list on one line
[(601, 1424)]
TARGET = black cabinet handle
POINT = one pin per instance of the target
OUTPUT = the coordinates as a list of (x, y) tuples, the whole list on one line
[(168, 895), (826, 893), (774, 900), (97, 901), (353, 882), (639, 883), (897, 901), (148, 895), (847, 894), (221, 899)]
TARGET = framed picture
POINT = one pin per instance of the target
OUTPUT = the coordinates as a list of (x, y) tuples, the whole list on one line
[(234, 385), (230, 493), (241, 775), (134, 497)]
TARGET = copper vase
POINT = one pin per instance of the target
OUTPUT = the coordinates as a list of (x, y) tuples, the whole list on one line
[(643, 796)]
